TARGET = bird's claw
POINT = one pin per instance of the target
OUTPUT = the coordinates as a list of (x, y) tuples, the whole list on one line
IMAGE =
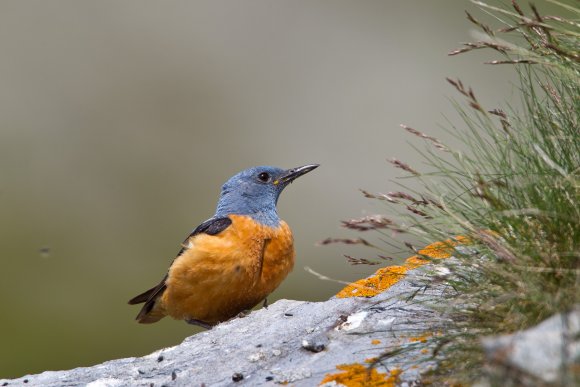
[(199, 323)]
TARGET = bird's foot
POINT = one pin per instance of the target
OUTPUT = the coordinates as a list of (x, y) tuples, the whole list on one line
[(244, 313), (198, 323), (265, 303)]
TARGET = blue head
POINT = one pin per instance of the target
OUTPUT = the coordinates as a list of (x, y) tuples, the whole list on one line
[(255, 192)]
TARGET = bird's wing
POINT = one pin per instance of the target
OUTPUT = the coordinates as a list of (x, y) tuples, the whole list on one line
[(211, 226)]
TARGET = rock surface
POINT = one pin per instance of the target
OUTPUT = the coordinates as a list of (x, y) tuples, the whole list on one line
[(546, 353), (297, 342)]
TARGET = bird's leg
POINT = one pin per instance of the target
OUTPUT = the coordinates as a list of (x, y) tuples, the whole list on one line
[(198, 323), (244, 313), (265, 303)]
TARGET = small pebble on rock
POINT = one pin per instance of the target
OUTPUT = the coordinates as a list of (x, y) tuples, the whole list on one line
[(312, 345)]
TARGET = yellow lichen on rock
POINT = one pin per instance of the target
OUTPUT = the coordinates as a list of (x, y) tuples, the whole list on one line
[(368, 287), (423, 338), (386, 277), (415, 261), (442, 249), (358, 375)]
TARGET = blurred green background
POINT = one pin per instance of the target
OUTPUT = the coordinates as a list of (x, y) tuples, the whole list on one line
[(120, 120)]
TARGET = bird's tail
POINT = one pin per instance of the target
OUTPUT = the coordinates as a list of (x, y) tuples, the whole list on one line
[(152, 311), (143, 297), (154, 315)]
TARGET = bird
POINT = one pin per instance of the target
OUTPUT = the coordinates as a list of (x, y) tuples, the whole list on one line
[(232, 261)]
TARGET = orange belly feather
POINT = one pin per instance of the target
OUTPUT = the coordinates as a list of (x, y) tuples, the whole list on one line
[(219, 276)]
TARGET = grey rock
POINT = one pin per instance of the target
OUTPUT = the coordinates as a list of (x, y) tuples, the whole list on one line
[(545, 353), (348, 330)]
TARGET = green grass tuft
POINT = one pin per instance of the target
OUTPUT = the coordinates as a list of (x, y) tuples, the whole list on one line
[(514, 190)]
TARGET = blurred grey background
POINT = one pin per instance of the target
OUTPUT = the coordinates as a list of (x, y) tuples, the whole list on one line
[(120, 120)]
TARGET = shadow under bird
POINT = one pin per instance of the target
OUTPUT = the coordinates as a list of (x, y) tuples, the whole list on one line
[(232, 261)]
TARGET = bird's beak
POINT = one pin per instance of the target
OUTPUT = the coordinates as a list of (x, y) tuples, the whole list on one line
[(290, 175)]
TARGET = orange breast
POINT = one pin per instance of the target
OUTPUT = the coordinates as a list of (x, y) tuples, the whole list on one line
[(219, 276)]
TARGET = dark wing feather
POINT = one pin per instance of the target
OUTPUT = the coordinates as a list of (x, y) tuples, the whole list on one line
[(211, 226)]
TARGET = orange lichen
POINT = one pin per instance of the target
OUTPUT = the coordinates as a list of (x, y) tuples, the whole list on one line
[(369, 287), (463, 240), (375, 342), (442, 249), (386, 277), (358, 375), (424, 351), (415, 261), (371, 360), (423, 338)]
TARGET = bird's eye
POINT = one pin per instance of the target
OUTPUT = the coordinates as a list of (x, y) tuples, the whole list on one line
[(264, 177)]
